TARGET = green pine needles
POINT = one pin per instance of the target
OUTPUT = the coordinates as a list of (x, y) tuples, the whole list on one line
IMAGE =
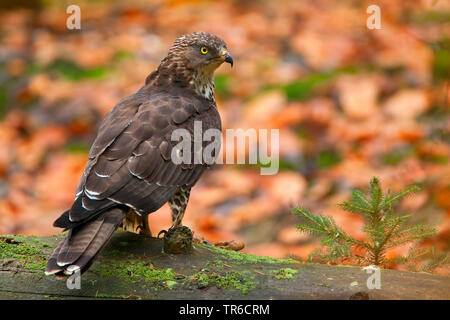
[(384, 228)]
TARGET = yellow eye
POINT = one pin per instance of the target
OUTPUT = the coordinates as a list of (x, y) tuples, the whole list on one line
[(204, 50)]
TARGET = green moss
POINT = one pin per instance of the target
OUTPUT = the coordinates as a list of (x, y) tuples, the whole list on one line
[(158, 275), (229, 280), (113, 296), (26, 250), (166, 278), (170, 284), (345, 266), (216, 263), (243, 257), (136, 272), (284, 273)]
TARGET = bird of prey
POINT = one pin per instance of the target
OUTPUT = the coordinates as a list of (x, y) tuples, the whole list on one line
[(129, 173)]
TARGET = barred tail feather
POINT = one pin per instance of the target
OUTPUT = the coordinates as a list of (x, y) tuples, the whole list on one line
[(80, 247)]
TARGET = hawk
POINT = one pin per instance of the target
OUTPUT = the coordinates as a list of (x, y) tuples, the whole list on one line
[(129, 173)]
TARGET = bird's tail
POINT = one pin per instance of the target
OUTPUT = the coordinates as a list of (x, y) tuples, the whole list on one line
[(83, 242)]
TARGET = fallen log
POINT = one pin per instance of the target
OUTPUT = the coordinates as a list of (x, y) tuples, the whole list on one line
[(135, 267)]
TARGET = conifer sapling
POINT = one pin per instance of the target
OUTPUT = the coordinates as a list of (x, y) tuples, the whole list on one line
[(385, 229)]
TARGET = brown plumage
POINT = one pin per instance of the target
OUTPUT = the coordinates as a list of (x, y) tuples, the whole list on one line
[(129, 165)]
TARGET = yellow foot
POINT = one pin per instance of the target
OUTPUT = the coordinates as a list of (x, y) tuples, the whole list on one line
[(136, 224)]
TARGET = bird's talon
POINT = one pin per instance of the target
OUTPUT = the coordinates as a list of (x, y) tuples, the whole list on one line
[(162, 232)]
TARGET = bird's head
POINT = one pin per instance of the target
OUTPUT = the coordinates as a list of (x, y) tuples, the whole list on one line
[(192, 60), (201, 50)]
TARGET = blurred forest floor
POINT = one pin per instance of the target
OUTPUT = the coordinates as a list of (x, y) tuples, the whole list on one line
[(350, 103)]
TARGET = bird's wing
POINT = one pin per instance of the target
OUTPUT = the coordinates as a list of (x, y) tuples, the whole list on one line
[(115, 122), (130, 160)]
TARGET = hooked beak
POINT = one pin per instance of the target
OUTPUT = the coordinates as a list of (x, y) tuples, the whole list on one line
[(227, 57)]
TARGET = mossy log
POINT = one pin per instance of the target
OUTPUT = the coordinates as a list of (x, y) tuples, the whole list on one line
[(135, 267)]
